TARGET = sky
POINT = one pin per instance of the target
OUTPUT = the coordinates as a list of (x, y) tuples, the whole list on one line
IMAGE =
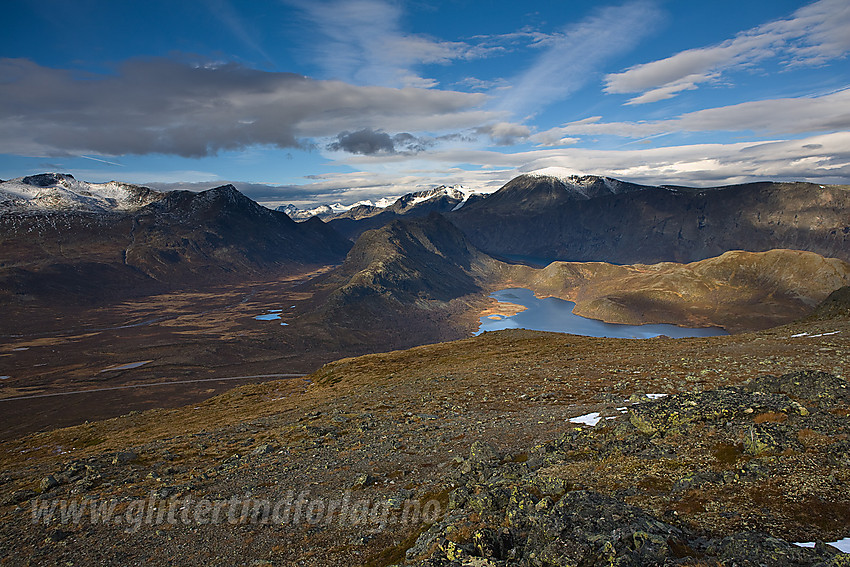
[(321, 101)]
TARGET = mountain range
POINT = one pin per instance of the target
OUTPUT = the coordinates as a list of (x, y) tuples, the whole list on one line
[(546, 216), (353, 221), (59, 236)]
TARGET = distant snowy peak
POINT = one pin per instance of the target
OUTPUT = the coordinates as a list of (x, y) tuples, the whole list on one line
[(456, 192), (289, 209), (61, 192), (322, 211), (405, 202)]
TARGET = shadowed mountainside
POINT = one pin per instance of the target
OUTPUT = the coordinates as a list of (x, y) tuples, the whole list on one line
[(596, 219), (182, 239), (414, 276)]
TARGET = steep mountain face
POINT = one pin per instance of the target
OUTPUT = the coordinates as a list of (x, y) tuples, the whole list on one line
[(220, 232), (538, 194), (180, 239), (605, 220)]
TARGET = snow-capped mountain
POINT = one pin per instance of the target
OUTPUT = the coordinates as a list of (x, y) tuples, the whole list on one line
[(61, 192), (581, 185), (457, 192), (323, 211)]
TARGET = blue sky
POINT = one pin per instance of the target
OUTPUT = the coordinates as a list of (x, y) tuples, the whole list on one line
[(311, 101)]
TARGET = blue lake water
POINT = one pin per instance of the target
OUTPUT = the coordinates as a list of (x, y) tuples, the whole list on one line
[(553, 314), (271, 315), (268, 317)]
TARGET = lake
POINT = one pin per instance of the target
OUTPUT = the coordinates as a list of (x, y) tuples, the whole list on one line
[(553, 314)]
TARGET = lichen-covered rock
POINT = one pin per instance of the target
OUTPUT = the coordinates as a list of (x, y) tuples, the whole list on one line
[(483, 453), (674, 412), (759, 550), (587, 528), (805, 384), (768, 438)]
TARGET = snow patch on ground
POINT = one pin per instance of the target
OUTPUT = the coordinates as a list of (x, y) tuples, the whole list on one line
[(590, 419), (806, 334), (842, 544)]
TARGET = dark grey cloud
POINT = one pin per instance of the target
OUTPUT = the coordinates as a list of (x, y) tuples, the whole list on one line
[(371, 142), (365, 142), (164, 106), (505, 133)]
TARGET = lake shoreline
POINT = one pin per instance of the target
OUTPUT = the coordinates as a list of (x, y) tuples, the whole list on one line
[(550, 313)]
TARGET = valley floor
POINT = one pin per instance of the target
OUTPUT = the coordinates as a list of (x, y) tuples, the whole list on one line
[(182, 341)]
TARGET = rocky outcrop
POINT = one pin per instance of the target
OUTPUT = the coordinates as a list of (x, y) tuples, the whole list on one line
[(702, 478)]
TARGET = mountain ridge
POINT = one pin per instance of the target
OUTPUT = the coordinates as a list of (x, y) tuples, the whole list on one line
[(655, 224), (181, 238)]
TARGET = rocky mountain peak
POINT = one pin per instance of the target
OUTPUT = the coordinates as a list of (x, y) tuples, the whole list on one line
[(47, 179)]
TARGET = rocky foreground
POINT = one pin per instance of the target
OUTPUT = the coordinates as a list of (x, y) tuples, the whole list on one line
[(468, 453), (661, 484)]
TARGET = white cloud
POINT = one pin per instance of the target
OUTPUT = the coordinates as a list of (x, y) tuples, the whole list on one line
[(476, 84), (223, 11), (553, 137), (812, 35), (525, 36), (574, 56), (775, 116), (824, 158)]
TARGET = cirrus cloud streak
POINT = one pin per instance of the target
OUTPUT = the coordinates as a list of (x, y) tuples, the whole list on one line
[(812, 35), (776, 116)]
